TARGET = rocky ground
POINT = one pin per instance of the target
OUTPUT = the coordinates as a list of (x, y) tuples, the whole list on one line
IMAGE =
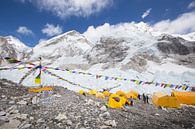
[(63, 109)]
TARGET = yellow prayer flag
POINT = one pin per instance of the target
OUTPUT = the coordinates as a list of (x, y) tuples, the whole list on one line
[(37, 81), (183, 87), (137, 82)]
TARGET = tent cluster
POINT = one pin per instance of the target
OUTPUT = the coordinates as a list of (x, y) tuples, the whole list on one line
[(120, 98), (175, 100), (115, 100)]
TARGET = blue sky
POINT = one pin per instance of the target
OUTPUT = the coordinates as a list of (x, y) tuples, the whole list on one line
[(32, 20)]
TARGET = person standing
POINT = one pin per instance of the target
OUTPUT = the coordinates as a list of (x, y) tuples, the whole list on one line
[(144, 98), (147, 99)]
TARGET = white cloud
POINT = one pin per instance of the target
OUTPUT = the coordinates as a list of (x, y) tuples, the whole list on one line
[(51, 30), (66, 8), (183, 24), (191, 5), (24, 30), (125, 30), (146, 13)]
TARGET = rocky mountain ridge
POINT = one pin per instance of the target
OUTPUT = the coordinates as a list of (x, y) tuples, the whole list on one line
[(129, 48)]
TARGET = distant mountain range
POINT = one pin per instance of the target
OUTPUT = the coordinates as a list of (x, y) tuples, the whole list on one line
[(128, 48)]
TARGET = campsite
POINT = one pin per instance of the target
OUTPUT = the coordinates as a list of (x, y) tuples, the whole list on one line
[(97, 64)]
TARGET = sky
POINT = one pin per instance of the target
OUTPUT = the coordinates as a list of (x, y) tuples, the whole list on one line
[(34, 20)]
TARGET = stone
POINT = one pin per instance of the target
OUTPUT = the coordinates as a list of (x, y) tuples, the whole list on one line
[(97, 104), (90, 102), (57, 95), (26, 126), (40, 120), (156, 114), (35, 100), (19, 116), (31, 118), (2, 113), (23, 116), (110, 123), (69, 122), (13, 111), (105, 115), (103, 108), (22, 102), (12, 124), (12, 108), (61, 116), (12, 102), (60, 125), (4, 118), (3, 96), (104, 127)]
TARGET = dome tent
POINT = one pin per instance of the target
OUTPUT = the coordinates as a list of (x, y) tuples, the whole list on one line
[(185, 97), (164, 100)]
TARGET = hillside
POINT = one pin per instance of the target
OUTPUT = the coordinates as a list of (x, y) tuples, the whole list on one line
[(67, 109)]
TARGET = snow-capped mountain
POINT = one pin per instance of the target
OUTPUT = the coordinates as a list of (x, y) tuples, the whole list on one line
[(12, 47), (67, 48), (132, 50)]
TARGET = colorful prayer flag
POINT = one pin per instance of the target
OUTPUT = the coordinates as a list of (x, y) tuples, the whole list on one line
[(38, 79)]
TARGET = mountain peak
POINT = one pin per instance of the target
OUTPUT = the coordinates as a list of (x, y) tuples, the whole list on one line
[(14, 41)]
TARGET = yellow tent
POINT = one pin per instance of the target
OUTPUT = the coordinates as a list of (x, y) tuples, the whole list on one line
[(92, 92), (114, 101), (132, 94), (164, 100), (106, 93), (82, 92), (121, 93), (185, 97), (100, 95), (39, 89)]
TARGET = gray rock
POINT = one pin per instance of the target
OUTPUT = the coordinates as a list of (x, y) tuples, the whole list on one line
[(97, 104), (105, 115), (90, 102), (31, 118), (18, 116), (26, 126), (12, 102), (61, 116), (11, 109), (23, 116), (22, 102), (35, 100), (103, 108), (57, 95), (12, 124), (3, 96), (2, 113), (4, 118), (69, 122), (40, 120), (104, 127), (110, 123)]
